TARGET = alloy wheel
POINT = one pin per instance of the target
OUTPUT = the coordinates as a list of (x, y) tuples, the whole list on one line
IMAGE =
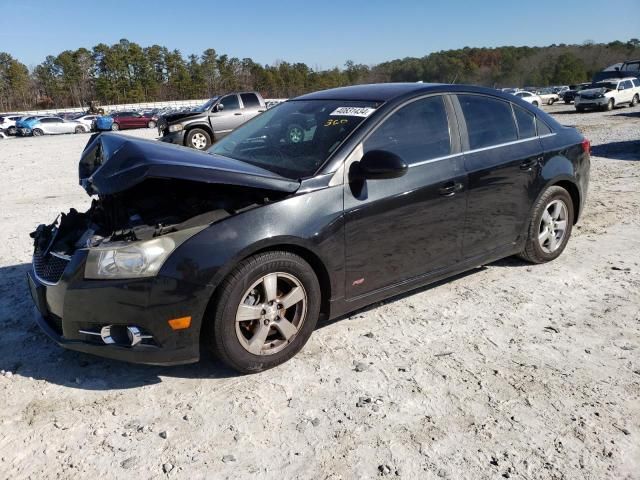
[(199, 141), (271, 313), (296, 134), (553, 226)]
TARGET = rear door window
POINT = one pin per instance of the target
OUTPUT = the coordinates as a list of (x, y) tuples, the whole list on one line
[(526, 122), (489, 121), (416, 132), (250, 100)]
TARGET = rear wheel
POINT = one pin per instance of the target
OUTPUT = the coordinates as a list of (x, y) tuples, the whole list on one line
[(550, 101), (635, 100), (79, 129), (535, 103), (37, 132), (550, 226), (151, 124), (115, 127), (198, 139), (11, 131), (265, 312)]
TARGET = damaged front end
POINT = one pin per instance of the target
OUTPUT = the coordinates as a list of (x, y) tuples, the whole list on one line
[(96, 277), (150, 198)]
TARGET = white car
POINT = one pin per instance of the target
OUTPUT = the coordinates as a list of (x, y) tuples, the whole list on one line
[(548, 96), (86, 119), (8, 124), (529, 97), (608, 94), (52, 126)]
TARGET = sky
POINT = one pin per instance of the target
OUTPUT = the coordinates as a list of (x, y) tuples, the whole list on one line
[(322, 34)]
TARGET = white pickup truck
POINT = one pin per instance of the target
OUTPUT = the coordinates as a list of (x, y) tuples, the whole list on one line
[(608, 94)]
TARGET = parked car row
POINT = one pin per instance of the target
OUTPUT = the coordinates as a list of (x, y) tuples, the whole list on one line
[(608, 94), (37, 125)]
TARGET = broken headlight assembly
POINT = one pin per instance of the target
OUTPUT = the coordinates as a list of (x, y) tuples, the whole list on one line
[(128, 259), (120, 260)]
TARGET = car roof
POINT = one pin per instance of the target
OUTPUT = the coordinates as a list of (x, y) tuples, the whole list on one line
[(386, 92), (380, 92)]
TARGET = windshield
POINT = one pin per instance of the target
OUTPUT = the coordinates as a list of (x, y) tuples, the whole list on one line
[(207, 105), (609, 85), (295, 138)]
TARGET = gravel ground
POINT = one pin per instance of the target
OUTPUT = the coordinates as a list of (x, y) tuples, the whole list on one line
[(509, 371)]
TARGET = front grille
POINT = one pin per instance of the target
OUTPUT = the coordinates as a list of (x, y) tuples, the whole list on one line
[(48, 267)]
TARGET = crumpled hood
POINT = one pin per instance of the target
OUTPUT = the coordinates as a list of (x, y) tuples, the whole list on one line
[(594, 91), (174, 117), (112, 163)]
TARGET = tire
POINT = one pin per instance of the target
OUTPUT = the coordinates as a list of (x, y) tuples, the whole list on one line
[(79, 129), (198, 138), (12, 131), (115, 127), (535, 103), (550, 101), (295, 134), (151, 124), (635, 100), (567, 102), (610, 105), (580, 109), (543, 243), (37, 132), (230, 339)]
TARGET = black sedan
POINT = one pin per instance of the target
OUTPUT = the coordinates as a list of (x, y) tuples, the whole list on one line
[(320, 206)]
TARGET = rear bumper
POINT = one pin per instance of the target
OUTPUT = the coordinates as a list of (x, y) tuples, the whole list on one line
[(73, 305)]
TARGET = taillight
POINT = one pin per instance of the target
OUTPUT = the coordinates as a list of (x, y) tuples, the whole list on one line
[(586, 146)]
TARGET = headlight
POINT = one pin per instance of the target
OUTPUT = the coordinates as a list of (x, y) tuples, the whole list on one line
[(175, 128), (128, 260)]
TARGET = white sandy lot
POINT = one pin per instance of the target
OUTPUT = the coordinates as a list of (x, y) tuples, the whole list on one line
[(509, 371)]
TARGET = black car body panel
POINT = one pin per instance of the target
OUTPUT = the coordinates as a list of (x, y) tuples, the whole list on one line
[(365, 239), (112, 163)]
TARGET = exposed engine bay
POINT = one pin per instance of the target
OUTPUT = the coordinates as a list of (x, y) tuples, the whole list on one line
[(145, 189), (151, 209)]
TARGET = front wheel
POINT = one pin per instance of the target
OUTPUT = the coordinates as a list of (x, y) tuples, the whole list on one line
[(535, 103), (550, 101), (550, 226), (151, 124), (635, 100), (610, 105), (115, 127), (198, 139), (265, 311), (78, 129), (37, 132)]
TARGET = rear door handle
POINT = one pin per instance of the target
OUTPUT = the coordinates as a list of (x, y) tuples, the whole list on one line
[(530, 163), (449, 189)]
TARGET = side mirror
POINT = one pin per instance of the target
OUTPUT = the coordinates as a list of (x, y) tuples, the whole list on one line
[(219, 107), (378, 165)]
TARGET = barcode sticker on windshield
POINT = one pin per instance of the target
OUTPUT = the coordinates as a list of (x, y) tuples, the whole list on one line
[(352, 112)]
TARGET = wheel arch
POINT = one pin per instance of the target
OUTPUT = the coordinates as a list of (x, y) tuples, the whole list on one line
[(201, 126), (311, 257)]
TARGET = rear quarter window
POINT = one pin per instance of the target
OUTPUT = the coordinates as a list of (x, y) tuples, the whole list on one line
[(636, 82), (526, 122), (489, 120), (543, 129)]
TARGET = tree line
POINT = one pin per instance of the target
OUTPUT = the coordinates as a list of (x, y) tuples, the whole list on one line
[(127, 72)]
